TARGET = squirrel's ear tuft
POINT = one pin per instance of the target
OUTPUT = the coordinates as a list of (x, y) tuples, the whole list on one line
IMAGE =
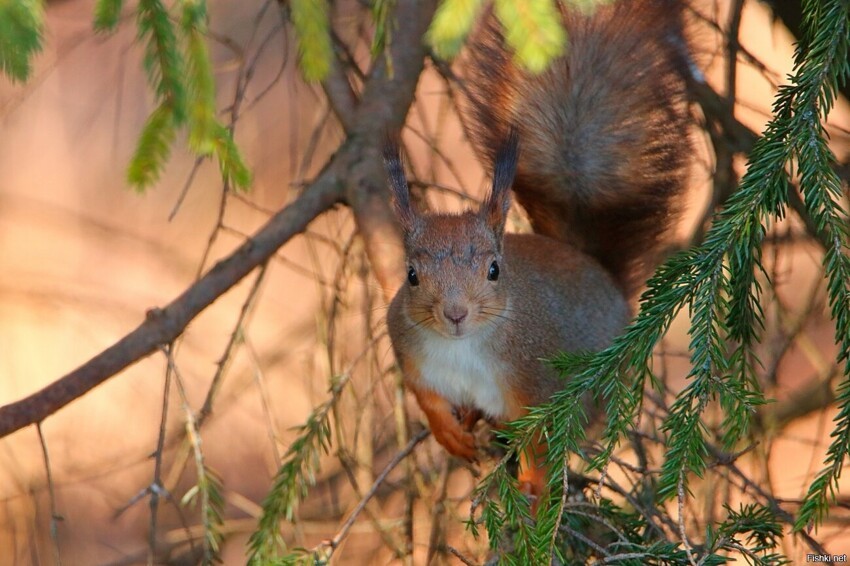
[(495, 208), (398, 183)]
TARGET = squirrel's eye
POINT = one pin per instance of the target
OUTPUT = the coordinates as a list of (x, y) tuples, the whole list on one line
[(411, 277), (493, 272)]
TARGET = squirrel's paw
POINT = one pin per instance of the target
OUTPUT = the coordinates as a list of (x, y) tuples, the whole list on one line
[(455, 439), (468, 417), (443, 419)]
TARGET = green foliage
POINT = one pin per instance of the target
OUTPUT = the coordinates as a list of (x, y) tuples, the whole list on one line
[(163, 60), (207, 491), (533, 30), (291, 484), (822, 64), (233, 168), (207, 495), (312, 25), (381, 10), (763, 533), (590, 526), (106, 14), (451, 24), (179, 68), (153, 148), (512, 516), (199, 79), (718, 283), (21, 27)]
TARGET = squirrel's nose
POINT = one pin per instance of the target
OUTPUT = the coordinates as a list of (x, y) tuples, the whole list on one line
[(455, 313)]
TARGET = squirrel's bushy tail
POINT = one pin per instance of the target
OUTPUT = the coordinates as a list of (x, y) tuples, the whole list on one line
[(603, 133)]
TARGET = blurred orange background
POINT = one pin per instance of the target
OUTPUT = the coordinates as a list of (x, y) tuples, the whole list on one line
[(82, 257)]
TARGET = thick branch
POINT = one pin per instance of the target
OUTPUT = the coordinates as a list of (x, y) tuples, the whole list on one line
[(368, 197), (341, 96), (162, 326), (354, 174)]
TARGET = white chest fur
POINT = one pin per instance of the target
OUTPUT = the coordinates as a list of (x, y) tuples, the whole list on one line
[(465, 372)]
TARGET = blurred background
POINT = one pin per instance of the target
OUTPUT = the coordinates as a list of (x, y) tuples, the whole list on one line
[(83, 257)]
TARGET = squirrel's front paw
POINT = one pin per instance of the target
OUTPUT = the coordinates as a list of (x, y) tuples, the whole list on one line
[(468, 417), (442, 418), (456, 440)]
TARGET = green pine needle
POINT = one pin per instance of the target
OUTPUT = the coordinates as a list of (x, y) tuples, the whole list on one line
[(163, 59), (199, 80), (153, 149), (720, 284), (312, 27), (534, 31), (381, 16), (451, 25), (107, 14), (233, 168), (292, 482), (185, 86), (821, 67), (207, 495), (21, 28)]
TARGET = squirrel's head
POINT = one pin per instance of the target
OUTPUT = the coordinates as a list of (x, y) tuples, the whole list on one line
[(455, 268)]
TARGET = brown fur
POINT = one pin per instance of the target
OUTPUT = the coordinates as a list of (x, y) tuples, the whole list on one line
[(560, 300), (603, 131), (548, 298), (603, 154)]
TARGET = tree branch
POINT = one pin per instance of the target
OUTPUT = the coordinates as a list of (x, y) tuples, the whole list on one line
[(341, 96), (739, 138), (355, 173), (162, 326), (375, 220)]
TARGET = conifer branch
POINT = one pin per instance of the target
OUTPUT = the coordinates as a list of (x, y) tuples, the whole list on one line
[(21, 30), (718, 283)]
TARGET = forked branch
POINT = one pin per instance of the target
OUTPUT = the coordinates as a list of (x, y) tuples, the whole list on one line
[(354, 175)]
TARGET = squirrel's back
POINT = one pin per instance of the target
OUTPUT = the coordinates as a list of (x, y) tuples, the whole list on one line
[(604, 130)]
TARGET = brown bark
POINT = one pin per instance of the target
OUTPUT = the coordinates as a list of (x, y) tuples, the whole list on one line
[(354, 175)]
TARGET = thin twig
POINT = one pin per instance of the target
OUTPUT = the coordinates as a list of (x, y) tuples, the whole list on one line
[(204, 488), (333, 543), (436, 539), (282, 259), (338, 90), (456, 553), (236, 338), (54, 516), (189, 180), (565, 489), (574, 533), (156, 485), (219, 222), (574, 510), (733, 46), (680, 493), (265, 399), (622, 557), (248, 70), (769, 75)]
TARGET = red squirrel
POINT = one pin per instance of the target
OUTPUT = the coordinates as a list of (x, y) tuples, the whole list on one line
[(595, 149)]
